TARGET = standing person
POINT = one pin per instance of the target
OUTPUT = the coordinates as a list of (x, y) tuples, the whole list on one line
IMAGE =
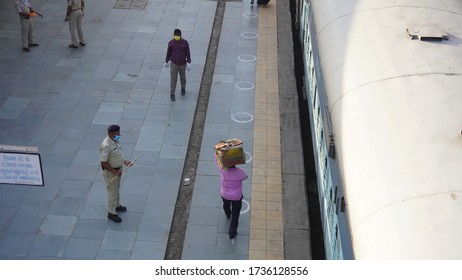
[(74, 15), (112, 160), (25, 10), (178, 54), (231, 194)]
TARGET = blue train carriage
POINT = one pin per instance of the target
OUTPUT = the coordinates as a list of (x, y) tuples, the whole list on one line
[(384, 89)]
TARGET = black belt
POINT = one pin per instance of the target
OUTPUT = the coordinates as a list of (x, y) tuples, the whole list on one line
[(112, 168), (25, 17)]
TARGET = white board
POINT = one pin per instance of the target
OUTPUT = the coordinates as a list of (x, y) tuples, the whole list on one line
[(21, 168)]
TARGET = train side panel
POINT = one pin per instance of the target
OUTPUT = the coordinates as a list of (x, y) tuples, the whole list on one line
[(393, 108)]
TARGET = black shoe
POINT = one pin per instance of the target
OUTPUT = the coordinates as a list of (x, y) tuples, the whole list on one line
[(121, 208), (231, 236), (114, 217), (26, 49), (172, 97), (82, 44), (183, 91), (33, 45), (73, 46)]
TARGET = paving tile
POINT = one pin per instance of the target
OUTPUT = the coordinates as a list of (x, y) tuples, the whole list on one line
[(209, 199), (66, 206), (207, 184), (149, 144), (87, 158), (134, 203), (98, 192), (89, 229), (34, 207), (204, 215), (106, 118), (16, 102), (58, 225), (201, 235), (198, 252), (159, 109), (125, 77), (15, 244), (135, 185), (81, 249), (173, 152), (220, 129), (150, 231), (24, 224), (170, 167), (82, 172), (94, 210), (208, 167), (239, 246), (176, 138), (163, 190), (10, 113), (46, 245), (118, 240), (179, 126), (145, 250), (113, 255), (158, 213), (112, 107), (46, 192), (133, 113)]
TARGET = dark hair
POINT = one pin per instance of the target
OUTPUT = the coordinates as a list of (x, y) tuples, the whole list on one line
[(177, 32), (113, 128)]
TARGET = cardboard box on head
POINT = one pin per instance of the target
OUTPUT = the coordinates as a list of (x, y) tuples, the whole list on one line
[(230, 152)]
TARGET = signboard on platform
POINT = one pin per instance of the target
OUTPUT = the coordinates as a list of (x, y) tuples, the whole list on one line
[(20, 167)]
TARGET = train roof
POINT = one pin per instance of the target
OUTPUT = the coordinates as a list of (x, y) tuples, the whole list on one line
[(394, 92)]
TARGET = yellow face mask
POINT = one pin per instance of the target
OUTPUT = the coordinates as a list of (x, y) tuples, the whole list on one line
[(177, 38)]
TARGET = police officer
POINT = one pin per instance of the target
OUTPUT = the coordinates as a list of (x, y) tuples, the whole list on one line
[(25, 11), (112, 160), (74, 15)]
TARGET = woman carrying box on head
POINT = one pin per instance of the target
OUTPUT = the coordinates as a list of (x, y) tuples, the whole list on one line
[(231, 191)]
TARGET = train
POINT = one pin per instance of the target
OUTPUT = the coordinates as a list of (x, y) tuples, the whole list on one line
[(383, 85)]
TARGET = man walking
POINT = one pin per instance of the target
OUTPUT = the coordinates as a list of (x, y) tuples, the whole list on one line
[(180, 58), (74, 15), (25, 11), (112, 160)]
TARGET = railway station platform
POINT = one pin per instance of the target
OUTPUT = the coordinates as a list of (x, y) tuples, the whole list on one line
[(61, 101)]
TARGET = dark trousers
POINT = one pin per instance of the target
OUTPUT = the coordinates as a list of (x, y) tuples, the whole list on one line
[(232, 209), (174, 71)]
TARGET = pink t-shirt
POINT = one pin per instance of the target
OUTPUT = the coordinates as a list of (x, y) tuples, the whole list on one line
[(231, 182)]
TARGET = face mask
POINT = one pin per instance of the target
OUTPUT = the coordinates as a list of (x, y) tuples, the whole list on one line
[(177, 38), (116, 138)]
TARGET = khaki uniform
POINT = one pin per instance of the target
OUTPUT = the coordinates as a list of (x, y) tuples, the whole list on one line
[(75, 21), (111, 152), (27, 30)]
